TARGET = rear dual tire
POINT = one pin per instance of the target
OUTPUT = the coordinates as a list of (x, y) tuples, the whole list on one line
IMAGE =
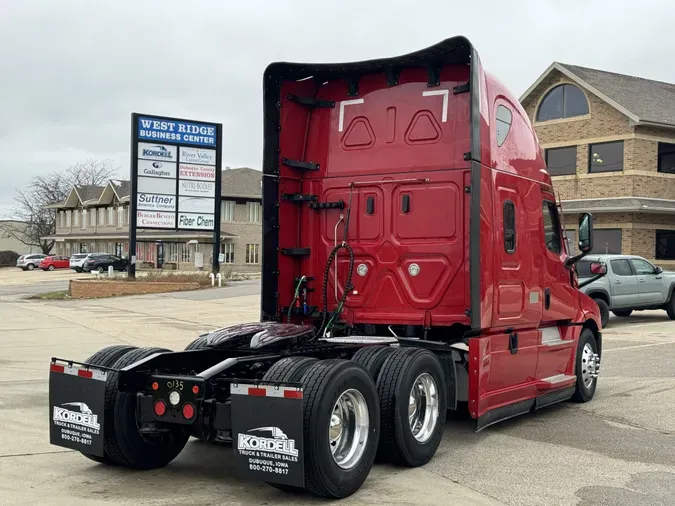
[(106, 357), (412, 393), (122, 442), (341, 422)]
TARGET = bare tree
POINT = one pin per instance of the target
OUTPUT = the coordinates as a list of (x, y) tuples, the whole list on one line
[(34, 221)]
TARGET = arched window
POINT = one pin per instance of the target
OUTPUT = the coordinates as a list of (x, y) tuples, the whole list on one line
[(564, 101)]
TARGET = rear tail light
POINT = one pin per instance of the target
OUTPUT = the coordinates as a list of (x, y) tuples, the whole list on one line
[(160, 408), (195, 389), (188, 411)]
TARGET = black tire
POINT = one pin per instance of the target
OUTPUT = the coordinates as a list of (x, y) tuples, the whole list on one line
[(394, 384), (583, 393), (197, 344), (324, 383), (101, 270), (623, 313), (106, 357), (122, 441), (604, 312), (30, 267), (372, 358), (289, 369), (670, 307), (51, 267)]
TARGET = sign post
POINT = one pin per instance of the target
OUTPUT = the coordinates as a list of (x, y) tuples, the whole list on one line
[(175, 178)]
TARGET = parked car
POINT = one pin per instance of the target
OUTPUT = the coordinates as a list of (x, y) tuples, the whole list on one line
[(77, 260), (101, 261), (631, 284), (29, 262), (54, 262)]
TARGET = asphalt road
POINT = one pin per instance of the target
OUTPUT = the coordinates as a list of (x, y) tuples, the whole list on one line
[(618, 450)]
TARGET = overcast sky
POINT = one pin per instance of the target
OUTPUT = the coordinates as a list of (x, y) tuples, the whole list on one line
[(73, 71)]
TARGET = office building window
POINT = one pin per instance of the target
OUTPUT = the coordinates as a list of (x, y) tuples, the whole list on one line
[(564, 101), (254, 211), (607, 241), (227, 249), (605, 157), (227, 210), (252, 253), (561, 161), (666, 158), (665, 245)]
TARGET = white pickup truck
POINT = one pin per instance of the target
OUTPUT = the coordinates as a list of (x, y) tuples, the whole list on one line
[(631, 284)]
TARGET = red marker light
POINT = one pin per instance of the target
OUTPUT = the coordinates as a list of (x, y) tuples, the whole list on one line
[(195, 389), (155, 385), (160, 408), (188, 411)]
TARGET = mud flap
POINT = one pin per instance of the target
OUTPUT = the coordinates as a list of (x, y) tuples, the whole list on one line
[(76, 407), (267, 433)]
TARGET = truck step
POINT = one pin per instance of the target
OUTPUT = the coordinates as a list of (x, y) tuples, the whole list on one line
[(360, 340)]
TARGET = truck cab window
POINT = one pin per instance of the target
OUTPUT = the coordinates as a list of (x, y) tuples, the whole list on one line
[(551, 227), (509, 226), (621, 267)]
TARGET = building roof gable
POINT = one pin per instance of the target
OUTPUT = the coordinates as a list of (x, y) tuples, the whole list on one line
[(642, 100)]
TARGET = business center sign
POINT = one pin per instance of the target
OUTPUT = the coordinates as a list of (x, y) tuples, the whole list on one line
[(174, 169)]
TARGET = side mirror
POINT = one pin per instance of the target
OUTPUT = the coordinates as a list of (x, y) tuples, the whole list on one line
[(586, 233), (598, 268), (658, 270)]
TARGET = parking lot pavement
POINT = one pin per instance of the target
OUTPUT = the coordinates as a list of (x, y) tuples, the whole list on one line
[(617, 450), (11, 276)]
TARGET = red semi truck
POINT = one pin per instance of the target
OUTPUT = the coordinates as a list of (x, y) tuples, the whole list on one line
[(413, 262)]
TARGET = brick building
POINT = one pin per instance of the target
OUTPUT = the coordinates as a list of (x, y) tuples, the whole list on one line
[(96, 219), (609, 142)]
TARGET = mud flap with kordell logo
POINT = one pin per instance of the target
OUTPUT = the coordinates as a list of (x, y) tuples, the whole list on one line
[(76, 407), (267, 433)]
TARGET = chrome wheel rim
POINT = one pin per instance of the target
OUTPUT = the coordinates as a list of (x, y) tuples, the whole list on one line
[(348, 428), (423, 407), (590, 365)]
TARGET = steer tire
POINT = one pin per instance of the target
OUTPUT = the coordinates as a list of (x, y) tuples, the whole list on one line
[(323, 384), (106, 357), (372, 358), (670, 307), (399, 373), (604, 312), (122, 440), (623, 313), (583, 393)]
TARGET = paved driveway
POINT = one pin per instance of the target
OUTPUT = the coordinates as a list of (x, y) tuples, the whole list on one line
[(617, 450)]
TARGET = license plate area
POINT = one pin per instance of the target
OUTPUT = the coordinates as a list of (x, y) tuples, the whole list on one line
[(176, 399)]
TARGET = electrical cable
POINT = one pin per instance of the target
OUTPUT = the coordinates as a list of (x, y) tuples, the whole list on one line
[(347, 287), (296, 296)]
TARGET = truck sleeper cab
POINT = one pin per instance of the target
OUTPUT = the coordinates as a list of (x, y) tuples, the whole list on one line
[(413, 262)]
